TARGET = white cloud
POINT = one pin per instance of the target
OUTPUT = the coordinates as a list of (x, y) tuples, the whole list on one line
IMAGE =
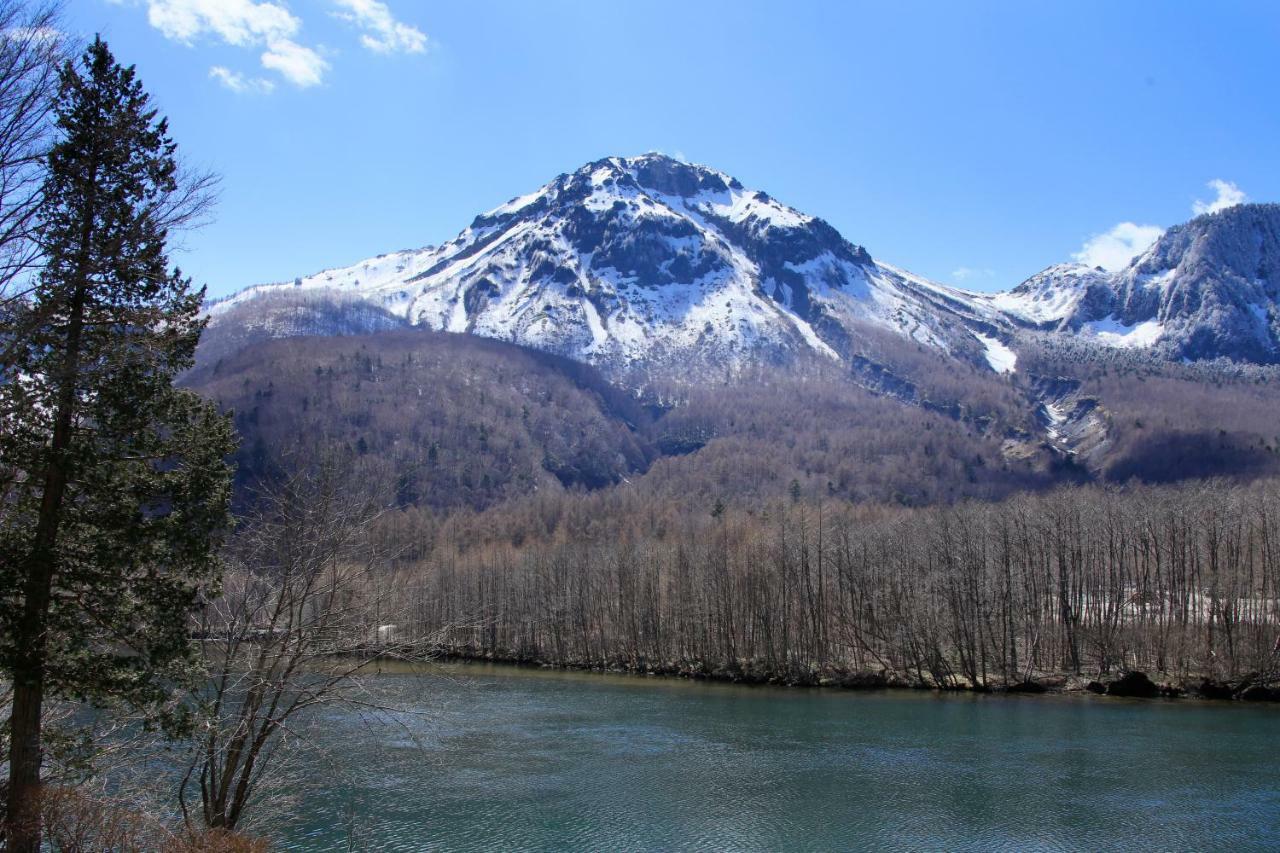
[(1112, 250), (300, 65), (242, 23), (966, 273), (269, 25), (1229, 195), (382, 32), (238, 83)]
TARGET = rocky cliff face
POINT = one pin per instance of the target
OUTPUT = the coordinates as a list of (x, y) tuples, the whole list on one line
[(1212, 284), (1206, 289)]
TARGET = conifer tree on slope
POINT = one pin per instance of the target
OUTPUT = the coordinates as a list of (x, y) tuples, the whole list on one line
[(115, 482)]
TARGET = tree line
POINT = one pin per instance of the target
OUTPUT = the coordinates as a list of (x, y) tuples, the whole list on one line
[(1181, 581)]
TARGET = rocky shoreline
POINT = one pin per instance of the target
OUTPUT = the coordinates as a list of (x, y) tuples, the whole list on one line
[(1120, 684)]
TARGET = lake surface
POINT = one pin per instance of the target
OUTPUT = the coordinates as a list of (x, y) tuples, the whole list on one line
[(508, 758)]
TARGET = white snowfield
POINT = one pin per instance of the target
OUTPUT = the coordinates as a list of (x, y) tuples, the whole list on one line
[(1112, 332), (1050, 296), (999, 356)]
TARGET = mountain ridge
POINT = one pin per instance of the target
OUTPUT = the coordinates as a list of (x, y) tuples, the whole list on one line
[(642, 263), (762, 347), (1208, 288)]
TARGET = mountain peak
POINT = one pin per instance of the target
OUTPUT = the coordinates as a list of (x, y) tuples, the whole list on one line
[(633, 262), (664, 174), (1208, 288)]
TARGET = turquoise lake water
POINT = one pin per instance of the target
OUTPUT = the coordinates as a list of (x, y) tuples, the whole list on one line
[(520, 759)]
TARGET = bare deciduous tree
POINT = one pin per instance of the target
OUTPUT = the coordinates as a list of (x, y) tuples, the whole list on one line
[(32, 49), (298, 619), (1082, 582)]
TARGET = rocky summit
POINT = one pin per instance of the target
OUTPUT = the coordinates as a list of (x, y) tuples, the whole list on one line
[(1206, 289)]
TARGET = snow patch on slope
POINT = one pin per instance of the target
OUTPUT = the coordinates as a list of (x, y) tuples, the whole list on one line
[(1052, 295), (998, 355), (1113, 333)]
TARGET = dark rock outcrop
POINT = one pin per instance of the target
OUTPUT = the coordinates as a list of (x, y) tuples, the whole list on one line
[(1027, 686), (1259, 693), (1210, 689), (1135, 685)]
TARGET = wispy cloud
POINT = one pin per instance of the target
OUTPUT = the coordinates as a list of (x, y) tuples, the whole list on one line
[(1228, 195), (270, 26), (31, 34), (1112, 250), (240, 84), (242, 23), (970, 273), (382, 33)]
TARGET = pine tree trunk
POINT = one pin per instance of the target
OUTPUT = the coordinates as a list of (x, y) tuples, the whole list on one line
[(24, 767), (25, 749)]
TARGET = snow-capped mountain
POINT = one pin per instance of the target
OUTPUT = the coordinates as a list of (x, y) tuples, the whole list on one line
[(648, 261), (1055, 294), (1207, 289)]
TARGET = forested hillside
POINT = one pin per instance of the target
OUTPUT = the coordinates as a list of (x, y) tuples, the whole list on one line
[(1139, 417), (431, 419), (445, 421), (442, 421)]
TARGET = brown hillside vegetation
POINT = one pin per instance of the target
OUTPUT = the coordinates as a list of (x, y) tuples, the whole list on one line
[(1167, 421), (444, 421), (438, 420)]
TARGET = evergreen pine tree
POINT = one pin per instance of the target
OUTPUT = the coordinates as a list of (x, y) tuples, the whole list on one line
[(115, 482)]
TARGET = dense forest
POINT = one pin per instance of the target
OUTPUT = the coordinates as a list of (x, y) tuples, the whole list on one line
[(441, 421), (1180, 582)]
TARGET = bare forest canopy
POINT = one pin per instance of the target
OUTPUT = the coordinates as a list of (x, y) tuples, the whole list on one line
[(788, 525), (1180, 581)]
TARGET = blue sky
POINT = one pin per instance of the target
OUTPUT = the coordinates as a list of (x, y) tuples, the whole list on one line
[(971, 143)]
